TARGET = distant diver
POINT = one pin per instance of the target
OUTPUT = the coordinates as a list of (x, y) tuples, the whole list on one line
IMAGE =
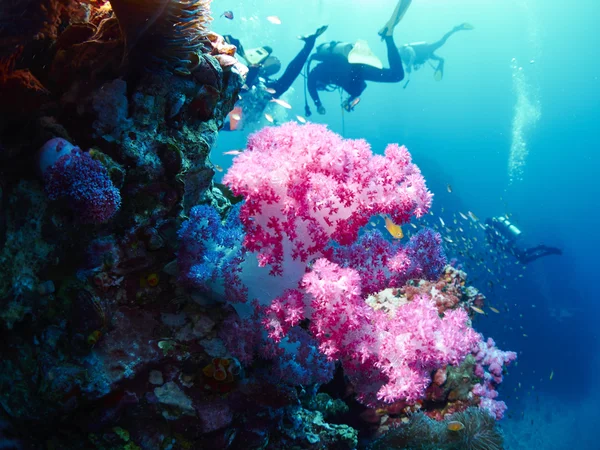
[(348, 66), (416, 54), (261, 88), (504, 236)]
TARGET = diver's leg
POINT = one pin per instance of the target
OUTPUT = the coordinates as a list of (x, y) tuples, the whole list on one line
[(294, 68), (437, 44), (392, 75), (540, 251), (522, 255), (531, 254)]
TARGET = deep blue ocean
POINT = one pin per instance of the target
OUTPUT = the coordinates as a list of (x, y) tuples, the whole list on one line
[(513, 130)]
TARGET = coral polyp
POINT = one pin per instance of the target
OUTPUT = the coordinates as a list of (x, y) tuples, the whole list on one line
[(170, 32)]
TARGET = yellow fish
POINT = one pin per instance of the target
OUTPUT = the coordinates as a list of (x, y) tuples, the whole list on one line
[(455, 425), (269, 117), (495, 310), (463, 216), (477, 310), (94, 336), (301, 119), (393, 229), (551, 375)]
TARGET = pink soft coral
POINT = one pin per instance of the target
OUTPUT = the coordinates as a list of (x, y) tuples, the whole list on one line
[(388, 358), (305, 186)]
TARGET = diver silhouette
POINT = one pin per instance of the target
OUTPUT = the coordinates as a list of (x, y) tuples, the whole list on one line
[(504, 236), (349, 66), (416, 54)]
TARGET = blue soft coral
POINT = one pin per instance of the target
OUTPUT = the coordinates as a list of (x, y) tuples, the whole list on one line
[(211, 251)]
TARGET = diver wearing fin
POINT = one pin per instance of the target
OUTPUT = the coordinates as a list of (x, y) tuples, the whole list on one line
[(262, 66), (349, 66), (503, 235), (416, 54)]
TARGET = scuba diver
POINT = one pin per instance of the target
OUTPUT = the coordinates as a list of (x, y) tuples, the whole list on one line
[(416, 54), (503, 235), (261, 88), (348, 66)]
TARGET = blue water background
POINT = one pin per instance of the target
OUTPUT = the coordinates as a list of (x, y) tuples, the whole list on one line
[(459, 132)]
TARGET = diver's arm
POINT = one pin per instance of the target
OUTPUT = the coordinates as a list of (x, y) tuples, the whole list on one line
[(293, 69)]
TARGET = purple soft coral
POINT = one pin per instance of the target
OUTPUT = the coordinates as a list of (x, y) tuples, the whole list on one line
[(83, 183), (382, 263), (488, 355), (426, 255)]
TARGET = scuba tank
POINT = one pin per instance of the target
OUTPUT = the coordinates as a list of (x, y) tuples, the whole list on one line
[(510, 231), (256, 56), (333, 49)]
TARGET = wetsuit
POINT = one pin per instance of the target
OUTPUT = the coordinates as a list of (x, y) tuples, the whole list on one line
[(352, 78), (525, 256)]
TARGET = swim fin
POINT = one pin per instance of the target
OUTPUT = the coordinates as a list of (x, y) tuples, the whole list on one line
[(317, 33), (439, 72), (397, 15), (362, 54)]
